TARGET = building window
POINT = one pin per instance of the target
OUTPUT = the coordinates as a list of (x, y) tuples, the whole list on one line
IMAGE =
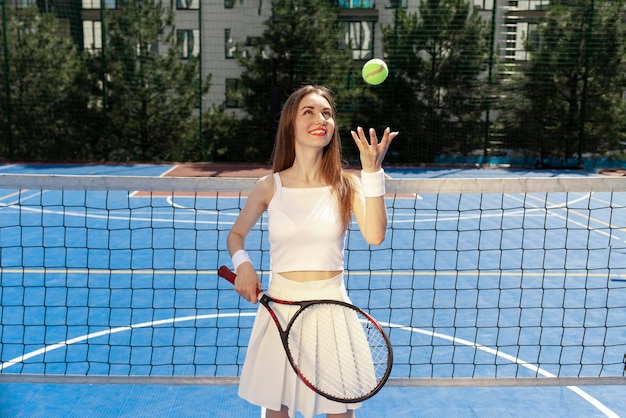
[(359, 37), (233, 93), (230, 48), (358, 4), (396, 4), (533, 4), (23, 4), (92, 35), (95, 4), (483, 4), (533, 34), (187, 4), (229, 4), (187, 41)]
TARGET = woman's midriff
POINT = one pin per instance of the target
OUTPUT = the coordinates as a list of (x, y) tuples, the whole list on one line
[(308, 276)]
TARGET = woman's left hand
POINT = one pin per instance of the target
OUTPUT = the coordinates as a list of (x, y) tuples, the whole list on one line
[(372, 152)]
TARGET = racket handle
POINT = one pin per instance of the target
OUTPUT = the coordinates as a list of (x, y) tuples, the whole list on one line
[(226, 273)]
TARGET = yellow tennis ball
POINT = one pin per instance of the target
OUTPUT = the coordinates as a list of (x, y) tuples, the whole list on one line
[(375, 71)]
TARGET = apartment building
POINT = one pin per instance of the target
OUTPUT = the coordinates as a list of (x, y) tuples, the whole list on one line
[(218, 30)]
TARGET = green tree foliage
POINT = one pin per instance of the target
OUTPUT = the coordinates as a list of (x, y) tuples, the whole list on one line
[(569, 99), (439, 57), (43, 81), (298, 46), (136, 99), (221, 140), (151, 94)]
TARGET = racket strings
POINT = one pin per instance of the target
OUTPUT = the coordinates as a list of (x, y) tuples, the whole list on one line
[(338, 351)]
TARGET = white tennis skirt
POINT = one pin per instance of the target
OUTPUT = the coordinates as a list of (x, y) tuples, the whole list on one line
[(267, 378)]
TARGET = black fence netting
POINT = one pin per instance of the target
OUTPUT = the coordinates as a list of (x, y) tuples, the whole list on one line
[(527, 83)]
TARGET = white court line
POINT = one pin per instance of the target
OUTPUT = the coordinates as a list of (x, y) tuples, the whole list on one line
[(10, 195), (587, 397), (107, 216), (599, 405), (86, 337), (166, 172), (565, 206), (192, 272)]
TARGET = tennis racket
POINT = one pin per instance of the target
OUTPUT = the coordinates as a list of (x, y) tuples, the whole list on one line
[(335, 348)]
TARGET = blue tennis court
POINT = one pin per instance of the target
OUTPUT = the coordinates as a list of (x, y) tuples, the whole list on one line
[(107, 283)]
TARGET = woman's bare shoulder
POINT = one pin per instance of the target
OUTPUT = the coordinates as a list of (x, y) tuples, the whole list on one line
[(264, 188)]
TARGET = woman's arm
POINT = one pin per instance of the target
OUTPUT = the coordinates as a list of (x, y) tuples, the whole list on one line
[(370, 214), (368, 203), (247, 282)]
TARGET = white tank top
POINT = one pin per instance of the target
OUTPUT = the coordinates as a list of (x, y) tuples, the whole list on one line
[(305, 229)]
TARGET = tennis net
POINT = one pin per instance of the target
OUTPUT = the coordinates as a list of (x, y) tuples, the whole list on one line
[(479, 281)]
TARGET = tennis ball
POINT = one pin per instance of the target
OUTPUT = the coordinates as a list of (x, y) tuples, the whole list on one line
[(375, 71)]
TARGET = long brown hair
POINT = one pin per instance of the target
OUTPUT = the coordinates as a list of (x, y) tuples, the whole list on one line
[(284, 153)]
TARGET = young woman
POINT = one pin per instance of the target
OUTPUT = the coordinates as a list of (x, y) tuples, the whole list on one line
[(310, 201)]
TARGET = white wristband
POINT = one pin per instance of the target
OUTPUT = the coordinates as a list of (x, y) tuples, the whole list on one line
[(240, 257), (373, 183)]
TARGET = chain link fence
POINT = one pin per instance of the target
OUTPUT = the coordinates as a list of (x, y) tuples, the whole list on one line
[(521, 83)]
